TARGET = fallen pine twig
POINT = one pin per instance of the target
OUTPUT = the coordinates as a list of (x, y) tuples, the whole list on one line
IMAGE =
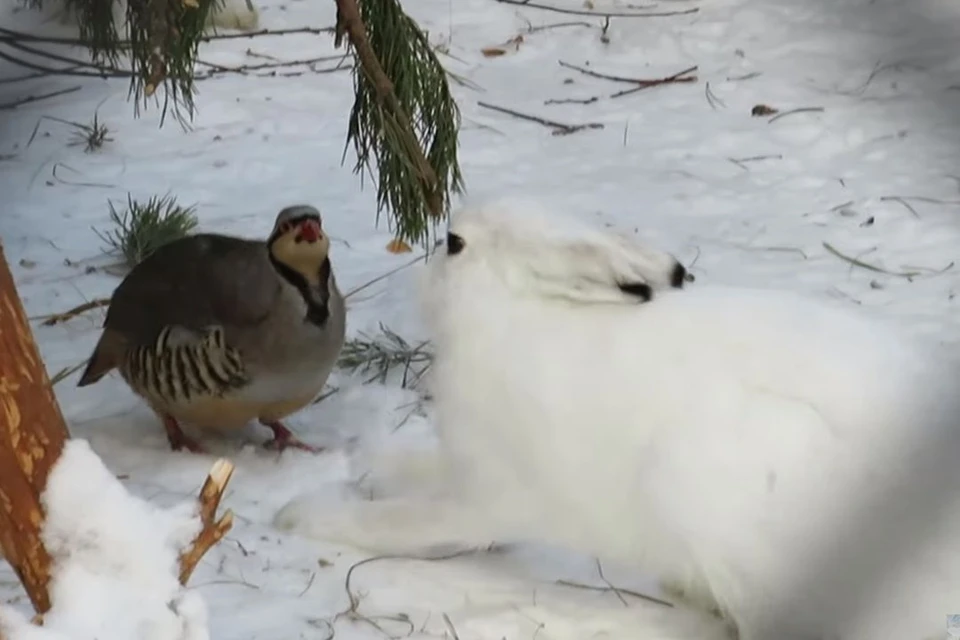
[(37, 98), (213, 529), (559, 128), (866, 265), (792, 111), (57, 318), (599, 14)]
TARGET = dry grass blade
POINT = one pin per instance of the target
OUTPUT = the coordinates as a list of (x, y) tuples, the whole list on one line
[(866, 265), (146, 226)]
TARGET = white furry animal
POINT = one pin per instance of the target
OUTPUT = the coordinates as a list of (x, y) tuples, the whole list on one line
[(785, 460), (237, 15)]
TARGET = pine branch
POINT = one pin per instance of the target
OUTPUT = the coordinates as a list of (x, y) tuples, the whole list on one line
[(381, 354), (404, 116), (162, 38)]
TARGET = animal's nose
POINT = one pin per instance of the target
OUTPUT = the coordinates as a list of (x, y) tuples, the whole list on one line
[(455, 244), (679, 276)]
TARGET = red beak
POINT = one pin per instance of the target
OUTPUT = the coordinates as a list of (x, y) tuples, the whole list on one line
[(310, 230)]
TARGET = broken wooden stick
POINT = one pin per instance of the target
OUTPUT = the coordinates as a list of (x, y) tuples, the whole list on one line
[(212, 530)]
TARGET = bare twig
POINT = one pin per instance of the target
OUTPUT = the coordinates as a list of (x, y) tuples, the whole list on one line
[(217, 70), (57, 318), (793, 111), (354, 599), (629, 592), (557, 25), (681, 76), (383, 276), (599, 14), (559, 128), (37, 98), (866, 265), (638, 83), (10, 35), (741, 162), (590, 100), (66, 372), (596, 74)]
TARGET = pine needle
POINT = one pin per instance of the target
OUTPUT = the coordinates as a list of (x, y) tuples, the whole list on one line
[(162, 37), (144, 227), (396, 131), (383, 353)]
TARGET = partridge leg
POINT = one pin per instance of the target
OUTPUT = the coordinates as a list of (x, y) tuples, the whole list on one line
[(284, 438), (177, 438)]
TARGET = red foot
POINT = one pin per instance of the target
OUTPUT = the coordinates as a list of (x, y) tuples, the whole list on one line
[(283, 438), (178, 439)]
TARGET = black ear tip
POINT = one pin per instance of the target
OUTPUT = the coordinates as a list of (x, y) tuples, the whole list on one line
[(679, 276)]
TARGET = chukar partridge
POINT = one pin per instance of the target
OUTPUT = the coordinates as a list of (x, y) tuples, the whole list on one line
[(217, 331)]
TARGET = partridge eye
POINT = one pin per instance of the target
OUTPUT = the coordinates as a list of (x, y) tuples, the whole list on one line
[(286, 226), (455, 244)]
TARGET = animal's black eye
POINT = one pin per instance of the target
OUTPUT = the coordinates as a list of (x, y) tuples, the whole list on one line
[(455, 244)]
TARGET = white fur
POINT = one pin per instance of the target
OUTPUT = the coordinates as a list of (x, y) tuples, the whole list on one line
[(783, 458)]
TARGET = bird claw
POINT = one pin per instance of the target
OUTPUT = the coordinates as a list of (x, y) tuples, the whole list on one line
[(178, 439), (283, 439)]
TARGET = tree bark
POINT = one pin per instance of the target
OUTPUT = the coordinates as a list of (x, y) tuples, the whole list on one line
[(32, 435)]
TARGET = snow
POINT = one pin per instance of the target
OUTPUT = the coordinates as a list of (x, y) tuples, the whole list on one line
[(676, 164), (115, 560)]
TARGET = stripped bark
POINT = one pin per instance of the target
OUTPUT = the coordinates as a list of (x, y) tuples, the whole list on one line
[(32, 435)]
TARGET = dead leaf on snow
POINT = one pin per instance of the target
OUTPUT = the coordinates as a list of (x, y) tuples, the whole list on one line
[(398, 246)]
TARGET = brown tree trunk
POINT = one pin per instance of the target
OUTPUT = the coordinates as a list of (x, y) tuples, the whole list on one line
[(32, 435)]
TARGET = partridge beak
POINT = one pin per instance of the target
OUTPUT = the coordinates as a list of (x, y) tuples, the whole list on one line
[(308, 231)]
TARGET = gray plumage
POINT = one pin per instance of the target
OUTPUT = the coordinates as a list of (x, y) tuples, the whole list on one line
[(217, 331)]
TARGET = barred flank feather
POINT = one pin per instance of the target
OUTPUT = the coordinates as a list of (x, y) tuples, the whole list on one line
[(178, 372)]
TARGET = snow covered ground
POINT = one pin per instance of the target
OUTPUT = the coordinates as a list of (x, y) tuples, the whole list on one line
[(743, 199)]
